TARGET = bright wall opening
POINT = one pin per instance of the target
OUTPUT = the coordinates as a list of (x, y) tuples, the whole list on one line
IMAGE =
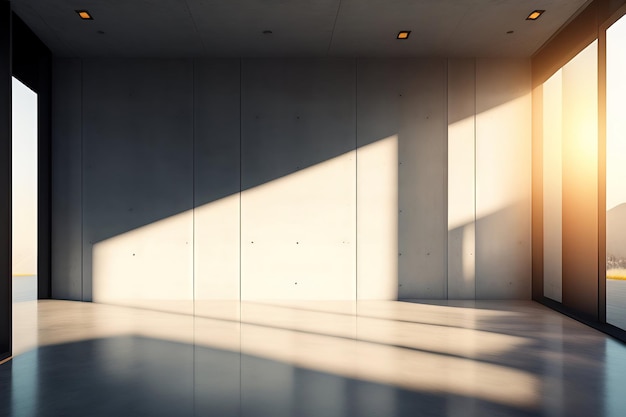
[(570, 150), (616, 174), (24, 192), (553, 186)]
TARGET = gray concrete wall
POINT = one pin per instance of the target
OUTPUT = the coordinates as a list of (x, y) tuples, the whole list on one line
[(67, 174), (402, 106), (138, 181), (298, 178), (217, 182), (489, 179), (182, 180), (461, 179), (503, 178)]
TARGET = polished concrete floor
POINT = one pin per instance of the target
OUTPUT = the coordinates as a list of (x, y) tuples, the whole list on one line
[(24, 288), (616, 302), (310, 359)]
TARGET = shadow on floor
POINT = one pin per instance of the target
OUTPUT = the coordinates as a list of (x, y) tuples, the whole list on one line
[(136, 376)]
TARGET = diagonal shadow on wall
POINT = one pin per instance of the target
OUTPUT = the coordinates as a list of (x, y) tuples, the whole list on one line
[(139, 141)]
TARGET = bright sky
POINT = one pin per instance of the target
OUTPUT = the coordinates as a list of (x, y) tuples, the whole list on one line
[(24, 180)]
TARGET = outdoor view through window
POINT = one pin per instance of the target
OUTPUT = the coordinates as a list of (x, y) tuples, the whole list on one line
[(616, 174), (24, 187)]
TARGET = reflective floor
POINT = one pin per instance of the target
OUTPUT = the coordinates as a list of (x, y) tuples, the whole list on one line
[(24, 288), (310, 359)]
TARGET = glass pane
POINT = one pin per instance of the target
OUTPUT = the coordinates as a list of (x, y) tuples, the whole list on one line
[(552, 186), (616, 175), (570, 174)]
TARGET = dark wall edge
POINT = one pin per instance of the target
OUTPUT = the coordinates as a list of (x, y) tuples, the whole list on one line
[(6, 305), (32, 63)]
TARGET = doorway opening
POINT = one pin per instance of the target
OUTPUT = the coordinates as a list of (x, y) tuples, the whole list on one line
[(24, 192)]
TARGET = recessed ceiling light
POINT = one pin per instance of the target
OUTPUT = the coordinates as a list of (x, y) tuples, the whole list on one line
[(403, 34), (535, 14), (84, 14)]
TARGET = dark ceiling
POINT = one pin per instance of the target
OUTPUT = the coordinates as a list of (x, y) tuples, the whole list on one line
[(318, 28)]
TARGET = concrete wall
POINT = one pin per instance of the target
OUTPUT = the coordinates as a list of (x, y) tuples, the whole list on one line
[(489, 171), (67, 201), (182, 180), (503, 172), (401, 167), (298, 176)]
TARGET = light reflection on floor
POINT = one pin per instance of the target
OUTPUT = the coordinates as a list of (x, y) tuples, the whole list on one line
[(308, 358)]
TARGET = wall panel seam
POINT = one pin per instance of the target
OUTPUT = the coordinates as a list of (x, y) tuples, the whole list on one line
[(445, 109), (82, 185), (475, 175), (356, 184), (240, 178), (193, 191)]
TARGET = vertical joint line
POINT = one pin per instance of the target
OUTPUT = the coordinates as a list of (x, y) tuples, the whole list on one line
[(356, 185), (446, 170), (475, 182), (82, 187), (193, 228), (193, 193), (240, 185), (356, 200), (240, 245)]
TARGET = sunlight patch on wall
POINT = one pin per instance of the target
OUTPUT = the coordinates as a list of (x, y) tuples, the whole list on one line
[(461, 175), (147, 267), (468, 259), (216, 257), (216, 249), (461, 208), (298, 234), (298, 242), (502, 156), (377, 220)]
